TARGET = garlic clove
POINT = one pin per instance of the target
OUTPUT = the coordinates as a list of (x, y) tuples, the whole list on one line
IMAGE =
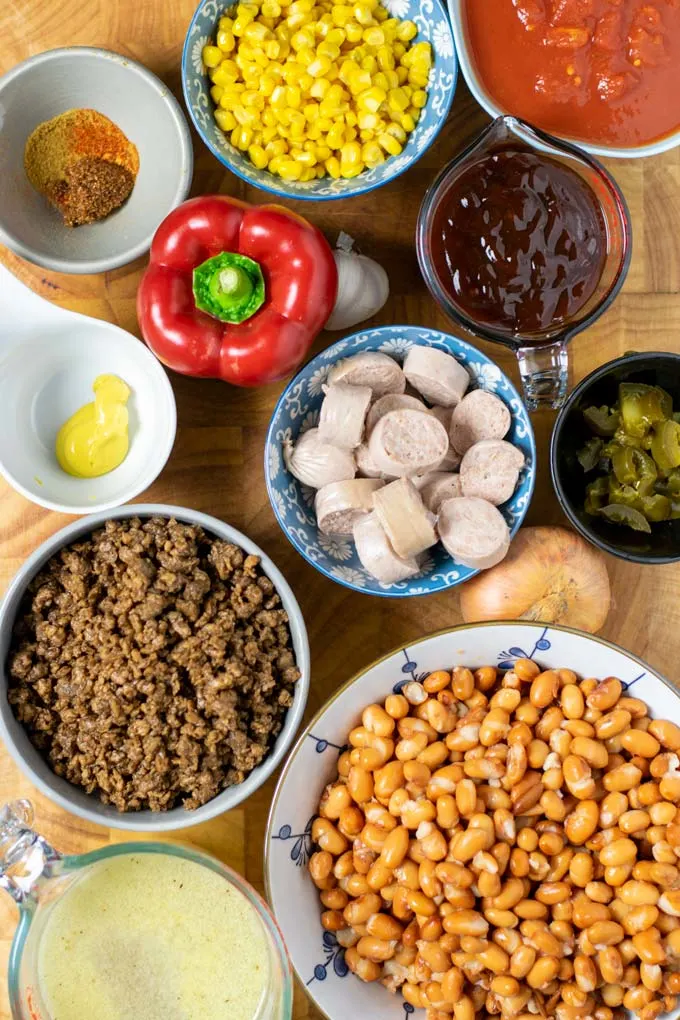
[(363, 289)]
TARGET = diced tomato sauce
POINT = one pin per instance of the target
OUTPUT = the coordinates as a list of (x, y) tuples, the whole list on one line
[(597, 70)]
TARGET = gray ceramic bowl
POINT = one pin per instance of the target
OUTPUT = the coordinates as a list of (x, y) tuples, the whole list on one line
[(88, 806), (142, 107)]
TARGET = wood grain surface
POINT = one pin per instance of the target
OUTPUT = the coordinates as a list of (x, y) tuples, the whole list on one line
[(216, 465)]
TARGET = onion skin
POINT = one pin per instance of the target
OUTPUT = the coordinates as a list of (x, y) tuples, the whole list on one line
[(550, 575)]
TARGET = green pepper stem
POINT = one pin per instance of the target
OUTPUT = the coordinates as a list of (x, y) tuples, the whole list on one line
[(235, 283), (229, 286)]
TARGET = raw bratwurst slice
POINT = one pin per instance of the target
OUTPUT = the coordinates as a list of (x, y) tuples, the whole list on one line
[(316, 463), (343, 413), (480, 415), (473, 532), (370, 368), (377, 555), (452, 459), (437, 375), (490, 469), (438, 487), (340, 505), (407, 523), (391, 402), (408, 443)]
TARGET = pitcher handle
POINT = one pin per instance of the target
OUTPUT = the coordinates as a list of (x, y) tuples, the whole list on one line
[(545, 374), (25, 857)]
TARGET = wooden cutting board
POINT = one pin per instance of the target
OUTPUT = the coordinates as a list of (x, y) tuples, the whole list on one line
[(216, 465)]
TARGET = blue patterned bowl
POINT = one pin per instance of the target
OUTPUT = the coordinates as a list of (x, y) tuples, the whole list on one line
[(317, 957), (298, 410), (433, 26)]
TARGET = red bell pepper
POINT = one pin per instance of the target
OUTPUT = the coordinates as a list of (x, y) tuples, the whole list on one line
[(235, 291)]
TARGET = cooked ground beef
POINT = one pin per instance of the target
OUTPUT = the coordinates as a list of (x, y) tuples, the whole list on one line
[(152, 664)]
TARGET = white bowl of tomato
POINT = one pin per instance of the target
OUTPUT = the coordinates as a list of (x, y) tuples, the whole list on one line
[(604, 77)]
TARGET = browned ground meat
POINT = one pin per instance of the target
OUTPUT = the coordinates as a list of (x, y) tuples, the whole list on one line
[(152, 664)]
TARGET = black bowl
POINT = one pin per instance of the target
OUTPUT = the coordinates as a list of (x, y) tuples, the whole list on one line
[(570, 433)]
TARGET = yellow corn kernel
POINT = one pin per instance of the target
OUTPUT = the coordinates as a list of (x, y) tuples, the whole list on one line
[(308, 174), (397, 100), (341, 15), (277, 147), (216, 93), (303, 39), (292, 72), (360, 81), (353, 31), (323, 153), (244, 116), (407, 30), (319, 88), (270, 9), (293, 97), (258, 157), (282, 33), (402, 74), (371, 154), (278, 97), (351, 171), (314, 131), (380, 80), (212, 56), (347, 70), (319, 67), (390, 27), (398, 49), (380, 14), (421, 81), (242, 137), (374, 36), (350, 154), (351, 134), (335, 138), (397, 131), (282, 116), (320, 171), (253, 100), (229, 100), (266, 86), (311, 112), (290, 170), (372, 99), (269, 134), (332, 166), (225, 120), (389, 143), (369, 64), (305, 158), (363, 14), (335, 36), (224, 77), (225, 23), (272, 49), (367, 121), (297, 133), (385, 58), (324, 123), (305, 81), (327, 49), (225, 40), (351, 119), (419, 98), (274, 163), (407, 122), (257, 33)]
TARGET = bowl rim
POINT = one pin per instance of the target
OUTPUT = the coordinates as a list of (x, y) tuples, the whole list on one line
[(637, 358), (103, 264), (359, 674), (232, 796), (280, 190), (161, 453), (476, 87), (322, 358)]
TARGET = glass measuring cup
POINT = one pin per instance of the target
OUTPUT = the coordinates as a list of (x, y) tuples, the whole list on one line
[(542, 355), (38, 878)]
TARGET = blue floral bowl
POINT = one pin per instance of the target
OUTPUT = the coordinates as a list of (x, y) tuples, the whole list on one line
[(298, 410), (316, 954), (433, 26)]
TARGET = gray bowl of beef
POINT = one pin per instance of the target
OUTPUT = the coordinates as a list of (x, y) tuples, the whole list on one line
[(89, 806), (571, 432)]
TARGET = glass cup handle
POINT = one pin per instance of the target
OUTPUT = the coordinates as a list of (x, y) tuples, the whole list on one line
[(24, 855), (545, 374)]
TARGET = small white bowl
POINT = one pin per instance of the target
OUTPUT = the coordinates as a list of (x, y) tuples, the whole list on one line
[(316, 955), (146, 111), (73, 798), (485, 99), (49, 358)]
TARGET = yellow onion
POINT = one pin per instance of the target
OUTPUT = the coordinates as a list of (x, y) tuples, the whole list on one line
[(550, 575)]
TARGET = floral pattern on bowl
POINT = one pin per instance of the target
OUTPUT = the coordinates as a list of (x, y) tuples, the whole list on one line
[(298, 410), (433, 26), (318, 959)]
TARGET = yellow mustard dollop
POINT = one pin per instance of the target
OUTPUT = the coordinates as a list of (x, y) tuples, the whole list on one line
[(94, 440)]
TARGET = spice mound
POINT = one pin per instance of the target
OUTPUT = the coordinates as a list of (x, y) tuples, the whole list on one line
[(83, 164), (151, 664)]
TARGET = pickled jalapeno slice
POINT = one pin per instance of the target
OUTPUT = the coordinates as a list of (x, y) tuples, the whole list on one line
[(643, 406), (634, 467), (616, 513), (597, 496), (666, 445), (603, 421), (590, 454)]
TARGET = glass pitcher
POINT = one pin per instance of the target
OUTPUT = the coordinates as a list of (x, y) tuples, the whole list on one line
[(542, 356), (38, 877)]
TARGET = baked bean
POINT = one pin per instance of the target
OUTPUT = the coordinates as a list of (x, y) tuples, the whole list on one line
[(543, 972), (356, 884), (572, 702), (434, 754), (396, 706), (605, 695), (639, 742), (366, 970), (611, 724), (591, 750), (334, 899), (327, 836), (332, 920), (360, 783), (462, 683), (649, 946), (580, 825), (620, 851), (667, 733), (636, 893)]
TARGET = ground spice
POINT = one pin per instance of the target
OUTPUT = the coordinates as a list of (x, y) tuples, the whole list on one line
[(83, 163)]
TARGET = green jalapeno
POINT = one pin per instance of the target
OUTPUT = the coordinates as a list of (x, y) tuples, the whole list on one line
[(597, 496), (603, 421), (589, 455), (666, 445), (655, 507), (642, 406), (626, 515), (634, 467)]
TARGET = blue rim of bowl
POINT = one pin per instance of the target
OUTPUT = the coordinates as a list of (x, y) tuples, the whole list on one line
[(102, 265), (634, 360), (405, 593), (281, 192)]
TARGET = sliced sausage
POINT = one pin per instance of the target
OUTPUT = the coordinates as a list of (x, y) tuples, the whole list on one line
[(407, 524), (490, 469), (340, 505), (370, 368), (480, 415), (452, 459), (408, 442), (316, 463), (343, 413), (377, 555), (474, 532), (438, 487), (391, 402), (437, 375), (366, 466)]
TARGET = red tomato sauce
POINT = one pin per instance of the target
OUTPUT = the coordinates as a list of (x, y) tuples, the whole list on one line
[(596, 70)]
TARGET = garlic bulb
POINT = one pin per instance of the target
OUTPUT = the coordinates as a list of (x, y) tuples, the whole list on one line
[(316, 463), (363, 287)]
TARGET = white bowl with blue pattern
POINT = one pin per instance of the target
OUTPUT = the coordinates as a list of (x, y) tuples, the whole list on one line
[(298, 410), (433, 26), (316, 955)]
